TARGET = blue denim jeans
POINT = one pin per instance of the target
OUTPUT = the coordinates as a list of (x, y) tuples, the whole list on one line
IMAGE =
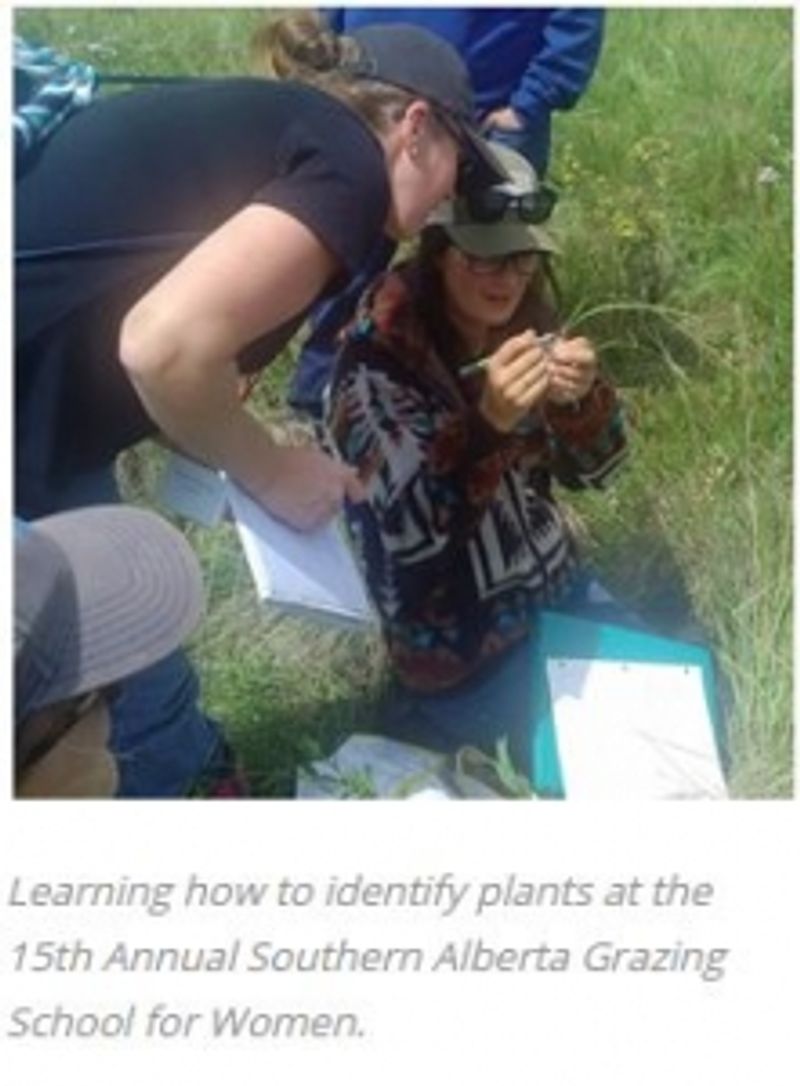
[(532, 141), (161, 740), (497, 703)]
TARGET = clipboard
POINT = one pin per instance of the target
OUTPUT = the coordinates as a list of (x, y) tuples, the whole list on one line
[(566, 637)]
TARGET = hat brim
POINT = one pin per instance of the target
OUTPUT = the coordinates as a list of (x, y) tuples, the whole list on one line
[(138, 590), (485, 168), (500, 238)]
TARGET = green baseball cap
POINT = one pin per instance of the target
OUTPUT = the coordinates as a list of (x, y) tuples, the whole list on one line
[(506, 218)]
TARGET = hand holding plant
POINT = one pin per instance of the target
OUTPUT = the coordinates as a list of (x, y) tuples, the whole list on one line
[(572, 369), (517, 379)]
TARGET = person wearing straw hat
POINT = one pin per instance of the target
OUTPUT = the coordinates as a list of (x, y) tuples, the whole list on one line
[(99, 594), (461, 400)]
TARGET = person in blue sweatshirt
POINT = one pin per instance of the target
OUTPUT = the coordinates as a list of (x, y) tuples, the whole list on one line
[(524, 64)]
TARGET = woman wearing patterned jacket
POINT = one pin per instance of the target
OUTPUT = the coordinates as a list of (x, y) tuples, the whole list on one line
[(460, 536)]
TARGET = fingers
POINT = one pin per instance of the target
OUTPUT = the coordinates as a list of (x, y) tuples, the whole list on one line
[(577, 350), (573, 368), (343, 483), (516, 357), (529, 380), (513, 347), (567, 385), (573, 355), (533, 391), (562, 393), (527, 369), (517, 378), (307, 487)]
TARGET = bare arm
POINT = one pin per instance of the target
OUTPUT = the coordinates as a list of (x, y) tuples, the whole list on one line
[(179, 342)]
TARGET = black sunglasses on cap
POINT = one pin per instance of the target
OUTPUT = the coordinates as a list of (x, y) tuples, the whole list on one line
[(492, 204)]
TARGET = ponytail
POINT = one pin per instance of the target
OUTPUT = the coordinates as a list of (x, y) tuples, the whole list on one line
[(301, 46)]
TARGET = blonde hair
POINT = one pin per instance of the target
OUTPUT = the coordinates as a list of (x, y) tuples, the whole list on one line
[(301, 46)]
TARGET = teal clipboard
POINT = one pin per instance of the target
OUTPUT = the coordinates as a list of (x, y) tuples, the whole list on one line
[(561, 635)]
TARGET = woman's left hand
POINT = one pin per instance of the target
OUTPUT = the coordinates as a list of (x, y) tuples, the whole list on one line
[(573, 369)]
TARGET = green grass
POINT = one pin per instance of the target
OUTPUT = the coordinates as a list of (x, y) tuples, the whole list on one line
[(666, 161), (676, 226)]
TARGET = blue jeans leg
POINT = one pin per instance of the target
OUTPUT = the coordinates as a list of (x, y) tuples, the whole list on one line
[(159, 736), (498, 704)]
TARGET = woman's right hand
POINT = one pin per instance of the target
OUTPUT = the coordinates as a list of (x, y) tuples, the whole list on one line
[(516, 380), (304, 487)]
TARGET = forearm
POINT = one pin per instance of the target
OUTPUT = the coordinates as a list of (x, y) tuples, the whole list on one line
[(189, 387), (299, 484), (257, 271), (209, 423)]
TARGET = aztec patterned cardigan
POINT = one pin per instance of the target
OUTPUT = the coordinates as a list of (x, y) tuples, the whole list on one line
[(460, 538)]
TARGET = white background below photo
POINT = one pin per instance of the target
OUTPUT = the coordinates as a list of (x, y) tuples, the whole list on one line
[(596, 1021)]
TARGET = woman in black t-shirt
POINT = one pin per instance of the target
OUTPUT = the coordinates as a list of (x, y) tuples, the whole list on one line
[(169, 241), (185, 231)]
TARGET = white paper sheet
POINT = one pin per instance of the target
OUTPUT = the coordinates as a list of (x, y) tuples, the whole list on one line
[(192, 490), (631, 731), (392, 769), (303, 571)]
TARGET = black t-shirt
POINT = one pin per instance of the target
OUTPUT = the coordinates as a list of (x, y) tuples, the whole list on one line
[(127, 186)]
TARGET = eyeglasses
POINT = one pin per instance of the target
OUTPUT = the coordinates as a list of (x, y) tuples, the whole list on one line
[(492, 204), (523, 264)]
